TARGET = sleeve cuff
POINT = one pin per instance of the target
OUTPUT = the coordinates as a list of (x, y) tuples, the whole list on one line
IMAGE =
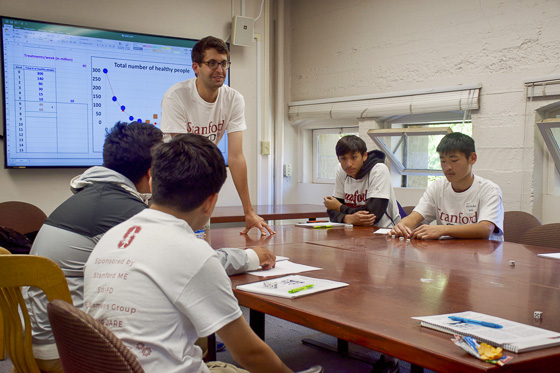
[(254, 262)]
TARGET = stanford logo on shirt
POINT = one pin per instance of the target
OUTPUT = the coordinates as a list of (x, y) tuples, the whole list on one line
[(458, 219), (356, 198), (209, 131), (129, 236)]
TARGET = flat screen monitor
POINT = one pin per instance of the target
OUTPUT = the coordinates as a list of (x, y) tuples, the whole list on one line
[(66, 86)]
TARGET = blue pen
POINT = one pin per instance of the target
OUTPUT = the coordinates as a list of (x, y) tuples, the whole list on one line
[(476, 322)]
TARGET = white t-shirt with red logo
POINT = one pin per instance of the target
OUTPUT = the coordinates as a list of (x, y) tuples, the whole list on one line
[(376, 185), (184, 111), (482, 201), (159, 288)]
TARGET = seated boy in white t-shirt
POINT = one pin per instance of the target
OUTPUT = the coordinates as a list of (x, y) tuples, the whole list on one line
[(157, 286), (463, 205), (363, 194)]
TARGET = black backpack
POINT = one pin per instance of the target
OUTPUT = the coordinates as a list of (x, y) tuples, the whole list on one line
[(13, 241)]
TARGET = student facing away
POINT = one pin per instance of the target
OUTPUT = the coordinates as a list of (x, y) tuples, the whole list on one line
[(104, 196), (167, 287), (363, 194), (463, 205)]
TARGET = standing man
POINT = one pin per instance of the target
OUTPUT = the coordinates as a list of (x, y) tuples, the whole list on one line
[(205, 106)]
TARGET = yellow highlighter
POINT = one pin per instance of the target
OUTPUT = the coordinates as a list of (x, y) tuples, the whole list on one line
[(300, 288), (322, 226)]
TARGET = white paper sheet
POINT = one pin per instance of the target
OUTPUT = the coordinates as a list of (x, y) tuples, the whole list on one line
[(550, 256), (284, 267), (382, 231)]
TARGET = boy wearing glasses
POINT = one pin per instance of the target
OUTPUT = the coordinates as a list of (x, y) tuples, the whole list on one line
[(205, 106)]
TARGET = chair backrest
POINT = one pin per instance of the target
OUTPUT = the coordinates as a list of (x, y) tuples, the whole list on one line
[(85, 345), (25, 270), (543, 235), (517, 223), (408, 209), (21, 216)]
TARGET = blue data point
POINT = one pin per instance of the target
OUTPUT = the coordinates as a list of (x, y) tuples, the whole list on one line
[(122, 107), (114, 98), (105, 71), (139, 120), (131, 118)]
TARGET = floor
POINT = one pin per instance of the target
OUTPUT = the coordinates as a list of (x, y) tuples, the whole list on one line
[(285, 339)]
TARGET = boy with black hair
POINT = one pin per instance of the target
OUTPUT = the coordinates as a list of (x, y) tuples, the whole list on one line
[(363, 194), (167, 287), (463, 205), (104, 196)]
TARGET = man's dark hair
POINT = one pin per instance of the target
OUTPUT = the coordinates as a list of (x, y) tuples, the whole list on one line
[(185, 171), (350, 144), (127, 149), (456, 141), (209, 42)]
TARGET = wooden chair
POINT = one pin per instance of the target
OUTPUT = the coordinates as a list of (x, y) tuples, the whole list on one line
[(85, 345), (25, 270), (517, 223), (21, 216), (408, 209), (543, 235)]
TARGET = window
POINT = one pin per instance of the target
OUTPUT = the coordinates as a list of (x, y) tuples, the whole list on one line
[(550, 131), (325, 161), (411, 148), (433, 104)]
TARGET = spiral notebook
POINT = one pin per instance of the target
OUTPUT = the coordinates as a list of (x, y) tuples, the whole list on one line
[(515, 337)]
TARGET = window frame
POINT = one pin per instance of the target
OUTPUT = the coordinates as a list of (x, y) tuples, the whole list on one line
[(376, 134), (545, 127), (315, 133)]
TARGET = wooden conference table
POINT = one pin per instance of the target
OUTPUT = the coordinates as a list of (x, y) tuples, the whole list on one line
[(392, 281), (230, 214)]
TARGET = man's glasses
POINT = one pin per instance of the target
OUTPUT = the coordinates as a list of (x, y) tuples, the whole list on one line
[(213, 64)]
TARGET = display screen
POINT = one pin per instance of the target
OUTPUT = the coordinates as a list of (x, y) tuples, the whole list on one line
[(66, 86)]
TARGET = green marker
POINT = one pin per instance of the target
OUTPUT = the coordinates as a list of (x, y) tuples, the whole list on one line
[(322, 226), (300, 289)]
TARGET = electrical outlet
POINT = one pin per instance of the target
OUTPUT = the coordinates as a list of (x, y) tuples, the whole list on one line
[(287, 170), (265, 147)]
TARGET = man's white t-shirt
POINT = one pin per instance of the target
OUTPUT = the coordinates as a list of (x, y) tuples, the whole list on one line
[(481, 202), (376, 185), (184, 111), (159, 288)]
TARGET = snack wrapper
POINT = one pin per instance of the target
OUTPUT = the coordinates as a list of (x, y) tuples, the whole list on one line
[(489, 354)]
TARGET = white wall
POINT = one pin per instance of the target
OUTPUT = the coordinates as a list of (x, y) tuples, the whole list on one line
[(47, 188), (368, 47)]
